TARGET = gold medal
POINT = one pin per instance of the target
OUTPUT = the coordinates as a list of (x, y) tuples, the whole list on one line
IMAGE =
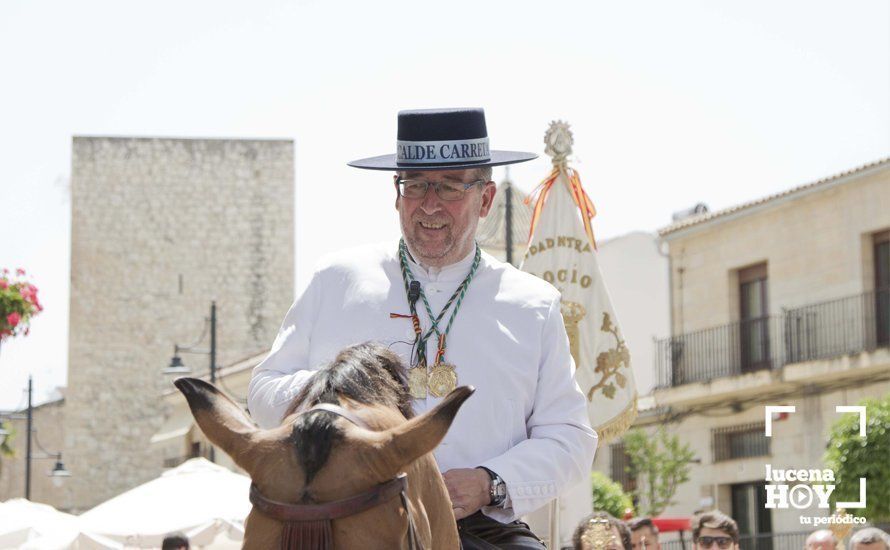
[(443, 379), (417, 381)]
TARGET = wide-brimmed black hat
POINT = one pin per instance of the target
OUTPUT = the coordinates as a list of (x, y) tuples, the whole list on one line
[(442, 139)]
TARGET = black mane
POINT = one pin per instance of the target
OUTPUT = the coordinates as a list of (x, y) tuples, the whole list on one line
[(368, 373)]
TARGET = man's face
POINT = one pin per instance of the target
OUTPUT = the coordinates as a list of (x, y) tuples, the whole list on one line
[(644, 539), (714, 539), (442, 232)]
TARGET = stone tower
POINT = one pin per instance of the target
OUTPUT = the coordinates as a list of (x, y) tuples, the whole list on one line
[(160, 227)]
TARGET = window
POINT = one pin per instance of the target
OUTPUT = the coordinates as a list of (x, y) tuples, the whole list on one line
[(754, 318), (620, 464), (882, 288), (740, 442), (753, 517)]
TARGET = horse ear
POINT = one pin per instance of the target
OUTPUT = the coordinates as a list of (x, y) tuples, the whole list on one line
[(421, 434), (221, 420)]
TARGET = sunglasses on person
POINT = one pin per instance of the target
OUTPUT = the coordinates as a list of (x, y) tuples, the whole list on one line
[(446, 190), (707, 542)]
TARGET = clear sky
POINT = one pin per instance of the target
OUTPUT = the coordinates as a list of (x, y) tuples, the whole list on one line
[(671, 103)]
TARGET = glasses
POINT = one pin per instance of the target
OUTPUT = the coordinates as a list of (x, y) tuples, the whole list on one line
[(446, 190), (722, 542)]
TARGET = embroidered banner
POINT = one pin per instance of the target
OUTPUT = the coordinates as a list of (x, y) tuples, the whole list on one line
[(562, 251)]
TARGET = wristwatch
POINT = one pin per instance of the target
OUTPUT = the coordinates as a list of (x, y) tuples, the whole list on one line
[(498, 489)]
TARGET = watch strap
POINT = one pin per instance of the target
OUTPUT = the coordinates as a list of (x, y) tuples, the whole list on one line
[(497, 489)]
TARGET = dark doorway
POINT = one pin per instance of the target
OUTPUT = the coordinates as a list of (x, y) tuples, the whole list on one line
[(753, 517)]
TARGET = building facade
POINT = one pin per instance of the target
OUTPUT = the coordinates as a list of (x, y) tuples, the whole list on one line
[(491, 234), (780, 301), (47, 437), (160, 228)]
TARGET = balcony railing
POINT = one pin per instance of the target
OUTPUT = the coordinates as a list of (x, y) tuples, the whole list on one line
[(728, 350), (817, 331)]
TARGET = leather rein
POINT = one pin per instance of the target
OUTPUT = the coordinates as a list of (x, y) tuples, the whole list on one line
[(316, 517)]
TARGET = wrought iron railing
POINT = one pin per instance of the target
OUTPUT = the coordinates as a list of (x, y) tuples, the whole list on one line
[(728, 350), (744, 441), (838, 327), (818, 331)]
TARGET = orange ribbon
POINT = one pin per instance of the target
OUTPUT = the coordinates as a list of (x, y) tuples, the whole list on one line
[(582, 200), (414, 320)]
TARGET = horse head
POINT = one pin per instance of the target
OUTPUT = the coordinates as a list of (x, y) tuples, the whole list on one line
[(329, 475)]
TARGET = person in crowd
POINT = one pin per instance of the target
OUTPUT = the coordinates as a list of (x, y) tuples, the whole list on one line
[(643, 534), (715, 530), (870, 538), (823, 539), (175, 541)]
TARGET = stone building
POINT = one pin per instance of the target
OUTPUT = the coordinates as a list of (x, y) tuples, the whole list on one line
[(46, 440), (491, 234), (784, 300), (160, 228)]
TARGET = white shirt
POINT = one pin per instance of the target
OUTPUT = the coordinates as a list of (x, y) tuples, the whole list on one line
[(527, 420)]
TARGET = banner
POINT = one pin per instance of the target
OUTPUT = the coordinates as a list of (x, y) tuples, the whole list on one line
[(562, 251)]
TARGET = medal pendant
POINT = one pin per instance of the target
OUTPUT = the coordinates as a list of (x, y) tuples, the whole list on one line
[(443, 379), (417, 382)]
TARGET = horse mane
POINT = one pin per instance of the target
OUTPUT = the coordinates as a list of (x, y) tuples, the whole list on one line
[(367, 373)]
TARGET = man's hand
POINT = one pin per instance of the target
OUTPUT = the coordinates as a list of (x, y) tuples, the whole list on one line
[(469, 489)]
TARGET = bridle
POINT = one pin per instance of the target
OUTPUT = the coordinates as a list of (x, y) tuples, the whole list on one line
[(308, 526)]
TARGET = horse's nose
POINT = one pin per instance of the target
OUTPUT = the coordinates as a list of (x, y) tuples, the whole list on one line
[(195, 391)]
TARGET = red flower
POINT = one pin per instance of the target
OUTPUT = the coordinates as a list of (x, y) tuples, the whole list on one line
[(13, 319), (19, 271), (29, 293), (3, 284)]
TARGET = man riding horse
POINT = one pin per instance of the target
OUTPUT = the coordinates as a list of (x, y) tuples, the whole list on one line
[(456, 316)]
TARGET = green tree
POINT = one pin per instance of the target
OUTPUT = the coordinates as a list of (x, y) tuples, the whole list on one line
[(660, 463), (608, 496), (851, 456)]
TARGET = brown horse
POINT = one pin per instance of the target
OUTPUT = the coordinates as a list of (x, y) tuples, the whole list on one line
[(329, 476)]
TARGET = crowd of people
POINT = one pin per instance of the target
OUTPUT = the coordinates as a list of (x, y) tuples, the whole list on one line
[(711, 530)]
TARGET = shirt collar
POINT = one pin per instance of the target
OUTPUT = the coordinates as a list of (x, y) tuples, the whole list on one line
[(453, 272)]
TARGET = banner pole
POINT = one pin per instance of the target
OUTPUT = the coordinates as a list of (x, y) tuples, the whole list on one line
[(554, 524)]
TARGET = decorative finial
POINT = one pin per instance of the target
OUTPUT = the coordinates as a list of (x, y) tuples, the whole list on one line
[(839, 529), (598, 533), (558, 141)]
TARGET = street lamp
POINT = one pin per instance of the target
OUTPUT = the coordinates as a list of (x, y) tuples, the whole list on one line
[(59, 472), (176, 365)]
